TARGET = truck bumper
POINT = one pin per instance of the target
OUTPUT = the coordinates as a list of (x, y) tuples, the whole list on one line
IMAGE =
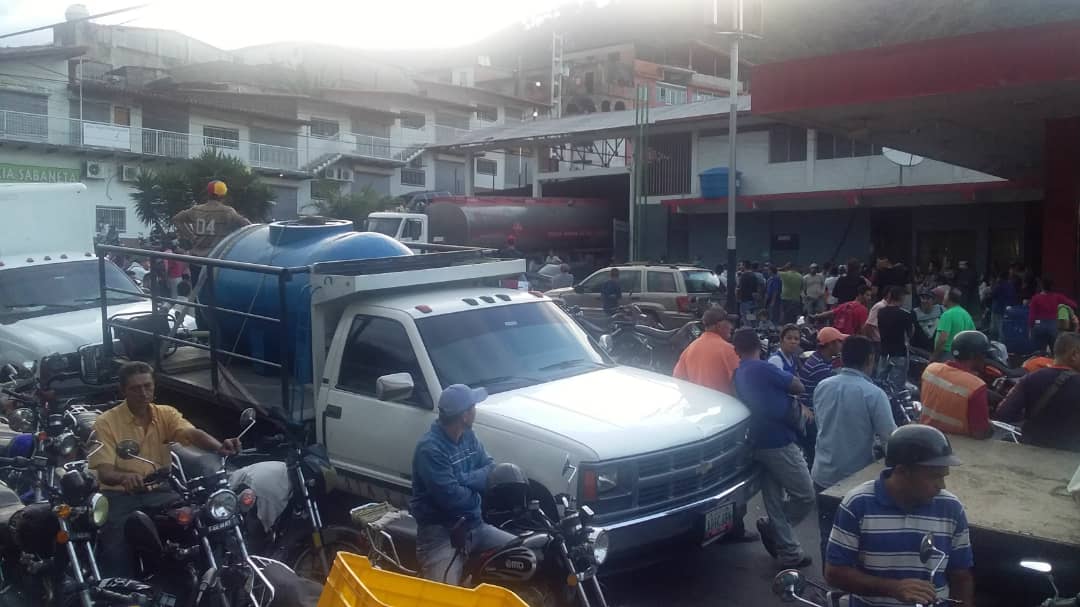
[(646, 538)]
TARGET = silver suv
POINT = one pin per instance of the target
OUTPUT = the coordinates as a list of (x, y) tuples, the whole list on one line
[(671, 294)]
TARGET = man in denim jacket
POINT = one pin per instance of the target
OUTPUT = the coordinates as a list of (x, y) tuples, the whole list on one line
[(450, 469)]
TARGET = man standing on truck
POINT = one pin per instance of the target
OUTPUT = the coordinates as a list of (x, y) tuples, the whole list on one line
[(1047, 400), (873, 550), (450, 470), (954, 398), (205, 225), (774, 418), (152, 426)]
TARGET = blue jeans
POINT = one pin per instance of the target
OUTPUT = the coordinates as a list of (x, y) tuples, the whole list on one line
[(747, 309), (784, 471), (893, 368), (439, 560), (1043, 335)]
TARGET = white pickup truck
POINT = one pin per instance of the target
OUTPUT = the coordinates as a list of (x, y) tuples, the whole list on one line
[(49, 274), (658, 459)]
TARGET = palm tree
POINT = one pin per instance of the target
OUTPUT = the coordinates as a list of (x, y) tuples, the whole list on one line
[(328, 201)]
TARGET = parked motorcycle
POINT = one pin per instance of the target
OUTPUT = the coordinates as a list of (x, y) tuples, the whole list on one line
[(906, 409), (790, 585), (550, 562), (194, 549), (293, 532)]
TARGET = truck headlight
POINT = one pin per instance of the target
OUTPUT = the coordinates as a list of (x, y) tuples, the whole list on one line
[(221, 505), (600, 481), (599, 542), (99, 509)]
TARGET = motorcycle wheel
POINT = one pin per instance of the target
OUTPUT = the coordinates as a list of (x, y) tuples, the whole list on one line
[(307, 563)]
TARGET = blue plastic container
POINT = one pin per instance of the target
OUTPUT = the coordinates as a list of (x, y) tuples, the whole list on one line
[(1014, 330), (714, 182), (284, 244)]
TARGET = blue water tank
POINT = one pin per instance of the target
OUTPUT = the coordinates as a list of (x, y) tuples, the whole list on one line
[(294, 243), (714, 182)]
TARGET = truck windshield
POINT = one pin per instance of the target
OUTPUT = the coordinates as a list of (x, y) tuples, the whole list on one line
[(57, 287), (507, 347), (384, 225)]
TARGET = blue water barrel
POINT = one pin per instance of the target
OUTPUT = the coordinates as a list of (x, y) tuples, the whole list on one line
[(1014, 330), (293, 243), (714, 182)]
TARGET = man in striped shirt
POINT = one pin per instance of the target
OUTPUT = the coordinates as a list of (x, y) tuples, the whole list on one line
[(817, 367), (873, 550)]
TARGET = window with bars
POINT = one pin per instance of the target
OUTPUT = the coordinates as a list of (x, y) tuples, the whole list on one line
[(670, 95), (486, 166), (787, 143), (325, 129), (412, 120), (413, 173), (834, 146), (114, 217), (486, 113), (221, 137)]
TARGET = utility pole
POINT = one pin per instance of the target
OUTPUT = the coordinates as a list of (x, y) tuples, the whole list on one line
[(556, 74), (638, 190), (737, 34)]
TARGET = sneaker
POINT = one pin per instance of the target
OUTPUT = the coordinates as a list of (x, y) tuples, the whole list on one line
[(767, 539), (805, 561)]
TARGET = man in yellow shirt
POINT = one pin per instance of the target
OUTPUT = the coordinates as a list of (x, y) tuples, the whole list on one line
[(710, 360), (152, 426)]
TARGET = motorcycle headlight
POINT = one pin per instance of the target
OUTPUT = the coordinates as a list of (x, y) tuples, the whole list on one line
[(599, 541), (66, 444), (99, 509), (221, 505)]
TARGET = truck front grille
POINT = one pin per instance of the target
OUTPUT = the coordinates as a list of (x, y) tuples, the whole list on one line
[(676, 476)]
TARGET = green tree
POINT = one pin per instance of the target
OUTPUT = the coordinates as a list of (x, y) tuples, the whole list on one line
[(161, 194), (328, 201)]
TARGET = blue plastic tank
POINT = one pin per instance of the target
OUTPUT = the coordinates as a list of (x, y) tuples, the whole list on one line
[(300, 242)]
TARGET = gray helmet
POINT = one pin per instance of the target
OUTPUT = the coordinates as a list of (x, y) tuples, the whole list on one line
[(969, 344), (507, 488), (916, 444)]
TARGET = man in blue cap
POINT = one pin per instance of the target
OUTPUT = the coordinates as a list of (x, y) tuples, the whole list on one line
[(450, 469)]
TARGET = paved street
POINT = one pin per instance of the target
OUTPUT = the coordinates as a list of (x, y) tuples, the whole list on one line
[(723, 575)]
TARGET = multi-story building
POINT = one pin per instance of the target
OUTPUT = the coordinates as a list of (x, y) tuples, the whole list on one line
[(105, 102)]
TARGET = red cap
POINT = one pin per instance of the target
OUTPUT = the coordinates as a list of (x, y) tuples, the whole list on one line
[(829, 335), (217, 189)]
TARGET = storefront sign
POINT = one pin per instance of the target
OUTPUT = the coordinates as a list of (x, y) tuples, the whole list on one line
[(19, 173)]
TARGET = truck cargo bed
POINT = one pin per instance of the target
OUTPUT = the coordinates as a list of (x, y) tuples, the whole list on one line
[(187, 371), (1017, 508)]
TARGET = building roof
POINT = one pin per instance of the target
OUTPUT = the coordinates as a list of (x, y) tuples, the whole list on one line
[(424, 82), (16, 53), (183, 98), (584, 126)]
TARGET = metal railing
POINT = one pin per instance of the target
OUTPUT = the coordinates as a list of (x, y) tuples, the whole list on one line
[(213, 313)]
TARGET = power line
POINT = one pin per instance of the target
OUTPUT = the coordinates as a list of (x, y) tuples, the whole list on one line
[(77, 20)]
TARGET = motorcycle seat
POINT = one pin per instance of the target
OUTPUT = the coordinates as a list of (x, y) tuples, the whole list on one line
[(196, 462), (658, 334)]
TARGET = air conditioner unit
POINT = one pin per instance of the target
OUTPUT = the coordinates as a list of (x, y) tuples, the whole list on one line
[(94, 170), (129, 173)]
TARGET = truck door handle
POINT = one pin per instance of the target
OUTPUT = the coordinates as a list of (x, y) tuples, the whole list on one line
[(333, 411)]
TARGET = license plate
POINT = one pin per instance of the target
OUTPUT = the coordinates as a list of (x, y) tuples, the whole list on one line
[(719, 521)]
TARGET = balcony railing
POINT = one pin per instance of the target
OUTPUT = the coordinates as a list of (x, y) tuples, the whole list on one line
[(60, 131)]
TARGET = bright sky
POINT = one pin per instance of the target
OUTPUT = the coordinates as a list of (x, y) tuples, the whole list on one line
[(388, 24)]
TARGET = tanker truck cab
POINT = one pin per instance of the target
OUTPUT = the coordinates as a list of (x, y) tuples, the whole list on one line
[(657, 459), (403, 227), (49, 277)]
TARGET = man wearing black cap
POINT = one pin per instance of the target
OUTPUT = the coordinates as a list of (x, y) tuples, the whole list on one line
[(874, 546), (450, 470), (954, 398)]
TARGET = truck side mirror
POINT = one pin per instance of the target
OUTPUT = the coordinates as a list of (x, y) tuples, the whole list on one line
[(395, 387), (579, 289)]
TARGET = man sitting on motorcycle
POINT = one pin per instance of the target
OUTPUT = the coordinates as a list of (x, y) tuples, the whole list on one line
[(450, 470), (954, 398), (1047, 399), (152, 426), (874, 546)]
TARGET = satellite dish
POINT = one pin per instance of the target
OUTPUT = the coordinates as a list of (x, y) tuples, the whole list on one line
[(903, 159)]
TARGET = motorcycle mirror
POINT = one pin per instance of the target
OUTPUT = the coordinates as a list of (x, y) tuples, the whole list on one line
[(787, 584), (129, 449), (1037, 566), (247, 420), (22, 420), (607, 343), (927, 548)]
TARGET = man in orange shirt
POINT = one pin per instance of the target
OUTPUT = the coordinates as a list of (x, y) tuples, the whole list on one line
[(710, 360)]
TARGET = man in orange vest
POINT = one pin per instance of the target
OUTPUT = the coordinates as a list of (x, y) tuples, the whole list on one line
[(954, 399)]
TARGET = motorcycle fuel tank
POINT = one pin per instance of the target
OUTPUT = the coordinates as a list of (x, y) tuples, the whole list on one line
[(518, 562)]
